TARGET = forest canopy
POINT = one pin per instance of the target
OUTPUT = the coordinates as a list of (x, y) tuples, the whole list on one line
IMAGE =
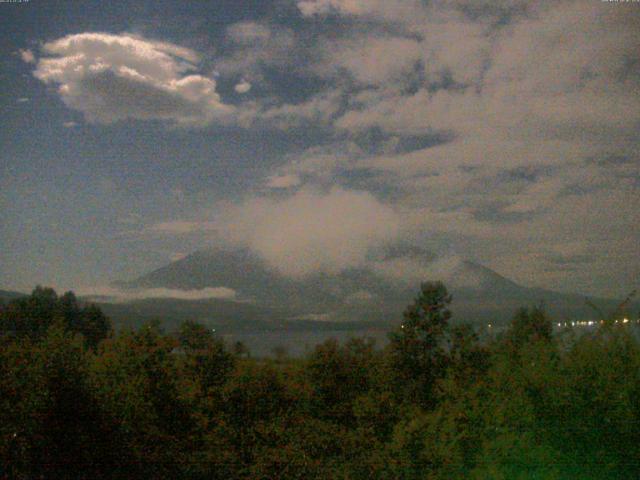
[(78, 400)]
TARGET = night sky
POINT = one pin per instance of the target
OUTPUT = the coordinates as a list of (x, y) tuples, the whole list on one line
[(314, 132)]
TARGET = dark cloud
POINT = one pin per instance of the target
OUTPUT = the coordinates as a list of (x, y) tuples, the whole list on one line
[(607, 160), (375, 141), (527, 174), (499, 213), (567, 263)]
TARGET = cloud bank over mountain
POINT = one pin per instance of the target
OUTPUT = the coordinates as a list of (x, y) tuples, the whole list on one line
[(113, 294), (311, 231)]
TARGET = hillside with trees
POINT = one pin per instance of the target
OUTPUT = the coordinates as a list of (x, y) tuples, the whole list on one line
[(78, 400)]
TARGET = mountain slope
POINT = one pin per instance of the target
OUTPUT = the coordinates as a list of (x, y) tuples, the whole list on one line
[(362, 294), (8, 295)]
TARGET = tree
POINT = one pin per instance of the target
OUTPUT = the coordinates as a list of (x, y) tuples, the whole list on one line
[(137, 382), (206, 356), (33, 315), (194, 336), (94, 326), (253, 398), (418, 347), (338, 375), (52, 425), (240, 350), (30, 316), (529, 325), (468, 358)]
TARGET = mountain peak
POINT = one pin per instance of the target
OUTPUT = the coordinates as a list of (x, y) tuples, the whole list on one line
[(379, 290)]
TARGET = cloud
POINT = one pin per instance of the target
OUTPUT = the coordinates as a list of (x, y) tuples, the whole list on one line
[(345, 7), (70, 124), (360, 297), (119, 295), (390, 10), (130, 219), (116, 77), (312, 231), (253, 46), (249, 33), (525, 113), (568, 255), (283, 181), (177, 194), (450, 269), (174, 257), (112, 77), (455, 52), (319, 165), (561, 70), (372, 60), (318, 110), (27, 56), (541, 194), (22, 100), (549, 85), (180, 227), (242, 87)]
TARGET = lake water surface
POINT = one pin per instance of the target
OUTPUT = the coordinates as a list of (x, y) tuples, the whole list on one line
[(296, 344)]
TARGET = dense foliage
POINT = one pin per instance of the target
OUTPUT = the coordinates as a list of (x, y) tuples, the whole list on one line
[(77, 401)]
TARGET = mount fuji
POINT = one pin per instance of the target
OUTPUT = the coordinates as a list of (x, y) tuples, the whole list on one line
[(247, 293)]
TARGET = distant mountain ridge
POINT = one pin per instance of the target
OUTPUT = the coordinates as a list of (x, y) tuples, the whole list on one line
[(363, 294), (8, 295)]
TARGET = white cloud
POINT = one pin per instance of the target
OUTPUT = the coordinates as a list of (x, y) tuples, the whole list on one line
[(360, 297), (22, 100), (570, 248), (392, 10), (283, 181), (117, 77), (311, 231), (320, 7), (119, 295), (508, 84), (455, 47), (130, 219), (249, 32), (318, 165), (242, 87), (70, 124), (252, 46), (450, 269), (547, 90), (180, 227), (174, 257), (561, 70), (372, 60), (27, 56), (541, 194), (319, 109)]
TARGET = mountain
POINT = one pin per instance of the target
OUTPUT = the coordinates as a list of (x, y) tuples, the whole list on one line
[(8, 295), (376, 294)]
